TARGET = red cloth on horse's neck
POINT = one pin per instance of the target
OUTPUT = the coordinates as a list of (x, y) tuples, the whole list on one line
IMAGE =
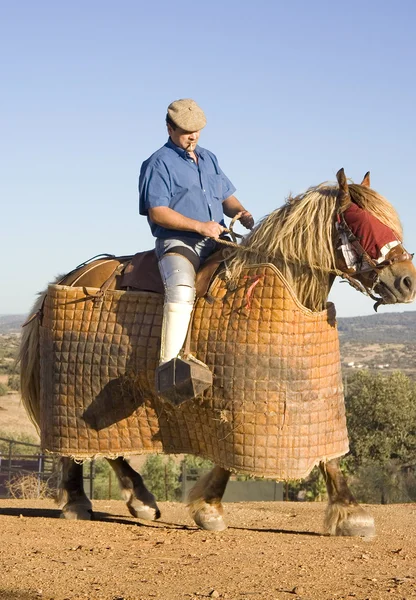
[(371, 233)]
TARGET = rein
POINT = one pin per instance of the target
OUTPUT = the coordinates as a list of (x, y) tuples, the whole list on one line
[(354, 283), (373, 266)]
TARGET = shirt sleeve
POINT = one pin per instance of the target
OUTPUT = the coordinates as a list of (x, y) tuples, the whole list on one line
[(154, 186), (227, 187)]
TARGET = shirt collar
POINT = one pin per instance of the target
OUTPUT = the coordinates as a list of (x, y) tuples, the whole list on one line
[(181, 152)]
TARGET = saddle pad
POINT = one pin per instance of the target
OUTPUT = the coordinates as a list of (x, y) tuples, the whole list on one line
[(276, 407), (142, 273)]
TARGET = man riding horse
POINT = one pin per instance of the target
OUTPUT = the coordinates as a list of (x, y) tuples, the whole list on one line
[(184, 194)]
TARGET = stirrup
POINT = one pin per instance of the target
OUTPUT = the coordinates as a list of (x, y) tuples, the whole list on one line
[(182, 379)]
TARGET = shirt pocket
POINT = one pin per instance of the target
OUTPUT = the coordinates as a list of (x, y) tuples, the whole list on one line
[(215, 186)]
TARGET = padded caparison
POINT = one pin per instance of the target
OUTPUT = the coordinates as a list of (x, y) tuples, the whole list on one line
[(276, 407)]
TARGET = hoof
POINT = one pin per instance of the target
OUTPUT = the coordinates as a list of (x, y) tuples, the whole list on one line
[(141, 503), (349, 521), (209, 519), (141, 511), (77, 513), (361, 525)]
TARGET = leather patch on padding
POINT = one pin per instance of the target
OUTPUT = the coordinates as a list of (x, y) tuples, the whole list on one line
[(187, 253)]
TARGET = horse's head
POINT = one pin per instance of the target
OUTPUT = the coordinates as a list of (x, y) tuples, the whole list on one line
[(369, 248)]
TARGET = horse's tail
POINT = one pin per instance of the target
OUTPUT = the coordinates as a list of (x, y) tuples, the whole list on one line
[(30, 365)]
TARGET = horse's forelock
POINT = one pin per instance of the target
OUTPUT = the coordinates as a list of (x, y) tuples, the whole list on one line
[(377, 205)]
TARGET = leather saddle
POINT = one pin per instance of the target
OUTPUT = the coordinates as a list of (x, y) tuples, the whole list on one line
[(141, 273), (136, 273)]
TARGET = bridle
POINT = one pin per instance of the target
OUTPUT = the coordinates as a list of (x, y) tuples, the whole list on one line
[(365, 264)]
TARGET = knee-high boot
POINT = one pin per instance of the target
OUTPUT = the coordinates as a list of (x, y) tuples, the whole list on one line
[(179, 379), (174, 329)]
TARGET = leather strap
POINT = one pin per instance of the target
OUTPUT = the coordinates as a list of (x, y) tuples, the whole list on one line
[(187, 253)]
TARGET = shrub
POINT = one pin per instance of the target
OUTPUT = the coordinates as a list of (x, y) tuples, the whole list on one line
[(311, 489), (29, 486), (162, 477), (13, 383)]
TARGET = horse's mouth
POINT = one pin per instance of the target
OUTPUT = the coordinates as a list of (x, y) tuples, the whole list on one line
[(387, 296)]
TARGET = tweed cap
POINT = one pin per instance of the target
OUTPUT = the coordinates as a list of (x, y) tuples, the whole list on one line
[(187, 115)]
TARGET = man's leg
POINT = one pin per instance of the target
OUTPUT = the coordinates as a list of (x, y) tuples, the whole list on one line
[(179, 379), (178, 275)]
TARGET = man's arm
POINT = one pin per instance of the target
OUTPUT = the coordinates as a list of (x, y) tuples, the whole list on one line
[(170, 219), (231, 207)]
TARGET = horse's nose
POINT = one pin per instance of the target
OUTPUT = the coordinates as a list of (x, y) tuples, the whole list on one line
[(407, 285)]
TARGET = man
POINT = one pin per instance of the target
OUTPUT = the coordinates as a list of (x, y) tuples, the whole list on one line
[(184, 195)]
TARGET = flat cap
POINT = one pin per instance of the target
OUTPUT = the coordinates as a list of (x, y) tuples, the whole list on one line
[(187, 115)]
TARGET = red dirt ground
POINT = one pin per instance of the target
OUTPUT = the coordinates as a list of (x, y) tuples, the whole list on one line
[(271, 551)]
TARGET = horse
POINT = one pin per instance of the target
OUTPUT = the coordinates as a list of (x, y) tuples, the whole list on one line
[(310, 240)]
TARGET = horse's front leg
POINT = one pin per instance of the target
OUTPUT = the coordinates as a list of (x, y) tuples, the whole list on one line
[(344, 516), (205, 500), (140, 502), (71, 497)]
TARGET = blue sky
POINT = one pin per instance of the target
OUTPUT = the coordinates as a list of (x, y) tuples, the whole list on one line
[(292, 91)]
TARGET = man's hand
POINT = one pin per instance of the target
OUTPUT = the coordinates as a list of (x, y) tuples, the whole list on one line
[(170, 219), (246, 220), (210, 229), (235, 210)]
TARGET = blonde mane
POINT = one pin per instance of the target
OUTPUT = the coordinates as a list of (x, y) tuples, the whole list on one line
[(299, 239)]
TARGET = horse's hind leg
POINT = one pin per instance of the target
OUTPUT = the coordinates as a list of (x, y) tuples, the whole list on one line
[(344, 516), (71, 496), (205, 500), (140, 502)]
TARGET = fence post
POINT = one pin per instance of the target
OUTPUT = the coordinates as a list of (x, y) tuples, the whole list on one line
[(92, 468), (40, 471), (9, 471), (184, 473)]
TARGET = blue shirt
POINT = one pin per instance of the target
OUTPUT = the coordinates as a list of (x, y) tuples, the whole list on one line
[(171, 178)]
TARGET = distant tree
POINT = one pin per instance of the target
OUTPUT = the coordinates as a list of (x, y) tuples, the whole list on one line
[(385, 484), (381, 417), (162, 477), (196, 462), (105, 482), (381, 413), (3, 389)]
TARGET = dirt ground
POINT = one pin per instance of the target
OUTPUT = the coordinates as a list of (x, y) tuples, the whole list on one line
[(271, 551), (13, 416)]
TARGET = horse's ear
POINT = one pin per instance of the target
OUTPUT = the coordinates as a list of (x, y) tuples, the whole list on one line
[(343, 199), (366, 181)]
